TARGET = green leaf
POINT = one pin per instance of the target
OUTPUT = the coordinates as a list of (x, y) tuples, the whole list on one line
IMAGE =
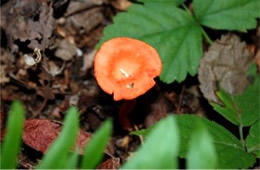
[(170, 2), (142, 132), (241, 109), (94, 150), (230, 152), (170, 30), (253, 139), (202, 153), (159, 150), (56, 156), (12, 140), (227, 14), (72, 161)]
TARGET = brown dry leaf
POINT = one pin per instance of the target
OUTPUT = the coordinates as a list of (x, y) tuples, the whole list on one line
[(79, 22), (121, 4), (112, 163), (225, 63), (81, 141), (6, 59), (28, 20), (66, 50), (45, 92), (40, 133), (52, 68), (77, 6), (88, 60), (3, 74)]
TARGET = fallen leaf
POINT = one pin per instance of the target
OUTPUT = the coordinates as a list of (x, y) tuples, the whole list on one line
[(81, 141), (77, 6), (88, 61), (28, 21), (121, 4), (40, 133), (66, 50), (224, 64), (79, 22), (112, 163), (3, 74)]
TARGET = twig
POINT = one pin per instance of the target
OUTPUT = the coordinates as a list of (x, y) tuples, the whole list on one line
[(140, 137)]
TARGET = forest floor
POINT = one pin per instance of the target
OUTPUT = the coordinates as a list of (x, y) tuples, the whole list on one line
[(47, 54)]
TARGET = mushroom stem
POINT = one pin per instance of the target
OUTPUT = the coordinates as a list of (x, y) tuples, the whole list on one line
[(124, 113)]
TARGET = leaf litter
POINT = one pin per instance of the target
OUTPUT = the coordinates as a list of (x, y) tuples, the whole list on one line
[(225, 64)]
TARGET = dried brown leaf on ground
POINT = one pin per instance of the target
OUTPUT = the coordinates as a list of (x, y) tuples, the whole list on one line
[(111, 163), (6, 60), (88, 60), (224, 64), (28, 21), (121, 4), (66, 50), (3, 74), (78, 6), (82, 25), (40, 133)]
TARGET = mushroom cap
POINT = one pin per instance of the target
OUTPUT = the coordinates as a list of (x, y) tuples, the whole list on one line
[(126, 67)]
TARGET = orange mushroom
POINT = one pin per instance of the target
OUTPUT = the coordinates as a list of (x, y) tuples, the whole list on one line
[(126, 67)]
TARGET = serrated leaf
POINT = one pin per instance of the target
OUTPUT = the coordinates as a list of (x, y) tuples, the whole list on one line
[(241, 109), (227, 14), (95, 148), (12, 140), (253, 139), (230, 152), (170, 30), (159, 150), (56, 156)]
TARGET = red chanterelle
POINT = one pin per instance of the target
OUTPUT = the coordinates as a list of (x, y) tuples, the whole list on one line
[(126, 67)]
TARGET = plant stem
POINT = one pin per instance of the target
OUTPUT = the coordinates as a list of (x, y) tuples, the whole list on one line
[(186, 8), (202, 30), (206, 36), (241, 135)]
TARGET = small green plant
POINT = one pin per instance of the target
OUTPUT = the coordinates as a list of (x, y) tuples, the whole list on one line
[(12, 141), (60, 154), (168, 139)]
